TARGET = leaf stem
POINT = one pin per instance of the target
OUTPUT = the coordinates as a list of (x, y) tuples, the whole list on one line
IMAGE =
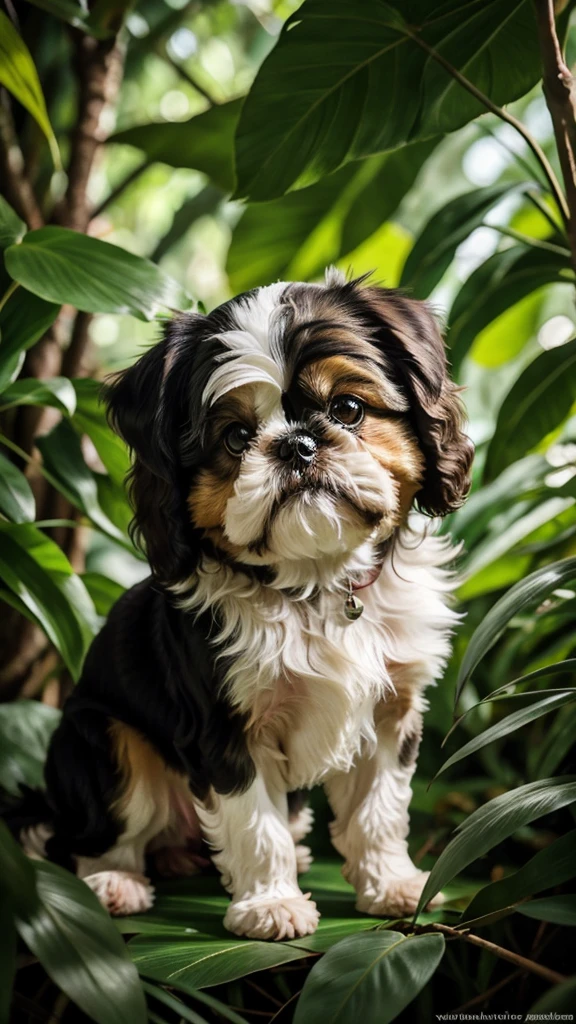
[(504, 115), (8, 293), (120, 187), (552, 977), (535, 243)]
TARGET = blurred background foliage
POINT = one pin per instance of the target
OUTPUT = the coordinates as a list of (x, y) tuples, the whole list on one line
[(466, 220)]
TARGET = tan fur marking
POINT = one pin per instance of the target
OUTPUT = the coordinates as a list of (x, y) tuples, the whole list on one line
[(139, 765), (339, 375)]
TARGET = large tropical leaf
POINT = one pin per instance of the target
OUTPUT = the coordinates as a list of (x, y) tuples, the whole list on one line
[(369, 978), (65, 266), (537, 402), (39, 573), (16, 498), (434, 249), (23, 320), (495, 821), (56, 391), (549, 867), (556, 909), (25, 730), (528, 591), (495, 287), (297, 236), (339, 85), (18, 74), (90, 419), (204, 143), (12, 228)]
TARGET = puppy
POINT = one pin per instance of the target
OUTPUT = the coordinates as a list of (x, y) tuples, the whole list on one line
[(293, 618)]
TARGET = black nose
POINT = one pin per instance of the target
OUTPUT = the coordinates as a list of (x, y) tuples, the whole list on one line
[(297, 447)]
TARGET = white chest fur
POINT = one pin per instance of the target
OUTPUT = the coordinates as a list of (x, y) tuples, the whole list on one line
[(308, 678)]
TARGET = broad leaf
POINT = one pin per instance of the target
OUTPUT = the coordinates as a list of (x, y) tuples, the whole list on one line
[(435, 247), (16, 498), (79, 947), (560, 998), (491, 290), (204, 142), (185, 1013), (369, 978), (23, 321), (555, 909), (528, 591), (339, 84), (536, 404), (297, 236), (200, 962), (17, 879), (62, 457), (103, 591), (12, 228), (65, 266), (90, 419), (493, 822), (56, 391), (549, 867), (507, 725), (25, 730), (40, 575), (18, 74)]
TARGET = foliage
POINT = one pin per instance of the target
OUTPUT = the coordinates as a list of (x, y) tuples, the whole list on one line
[(341, 145)]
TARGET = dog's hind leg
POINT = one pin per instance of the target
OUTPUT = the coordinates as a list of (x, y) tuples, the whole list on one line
[(300, 823)]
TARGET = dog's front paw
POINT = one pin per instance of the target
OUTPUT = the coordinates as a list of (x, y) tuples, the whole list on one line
[(122, 892), (398, 897), (273, 917)]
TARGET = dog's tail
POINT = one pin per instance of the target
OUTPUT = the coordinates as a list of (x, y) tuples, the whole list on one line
[(29, 820)]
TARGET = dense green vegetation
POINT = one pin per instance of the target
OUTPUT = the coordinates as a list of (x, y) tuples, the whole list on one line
[(410, 138)]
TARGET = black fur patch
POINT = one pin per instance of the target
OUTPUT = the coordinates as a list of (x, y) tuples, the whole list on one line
[(408, 751)]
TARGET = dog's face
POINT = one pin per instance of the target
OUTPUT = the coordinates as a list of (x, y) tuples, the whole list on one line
[(292, 423)]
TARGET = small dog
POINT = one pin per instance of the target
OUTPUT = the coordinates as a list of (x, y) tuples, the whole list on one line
[(279, 444)]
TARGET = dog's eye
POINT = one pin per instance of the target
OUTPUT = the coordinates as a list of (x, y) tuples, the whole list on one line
[(347, 409), (237, 438)]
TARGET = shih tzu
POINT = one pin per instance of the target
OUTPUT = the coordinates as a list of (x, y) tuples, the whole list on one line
[(293, 616)]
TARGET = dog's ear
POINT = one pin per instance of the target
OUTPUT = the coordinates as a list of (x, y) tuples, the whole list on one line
[(147, 408), (408, 334)]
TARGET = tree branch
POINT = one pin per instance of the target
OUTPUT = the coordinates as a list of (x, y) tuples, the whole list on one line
[(17, 187), (131, 177), (552, 977), (560, 94)]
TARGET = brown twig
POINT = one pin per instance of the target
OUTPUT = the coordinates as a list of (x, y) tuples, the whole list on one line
[(560, 94), (17, 187), (186, 76), (552, 977), (131, 177)]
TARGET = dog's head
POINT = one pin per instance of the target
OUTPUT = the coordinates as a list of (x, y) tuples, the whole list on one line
[(294, 422)]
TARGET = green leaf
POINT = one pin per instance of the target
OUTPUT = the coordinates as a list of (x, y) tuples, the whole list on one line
[(557, 999), (198, 963), (11, 227), (56, 391), (19, 76), (81, 950), (557, 743), (339, 84), (25, 730), (90, 419), (297, 236), (62, 457), (435, 247), (537, 403), (184, 1012), (41, 576), (68, 11), (8, 940), (528, 591), (17, 880), (507, 725), (103, 591), (203, 143), (549, 867), (94, 276), (555, 909), (493, 822), (369, 978), (495, 287), (16, 498), (23, 321), (332, 930)]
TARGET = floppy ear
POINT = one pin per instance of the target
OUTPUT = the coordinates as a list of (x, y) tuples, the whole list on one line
[(149, 414), (408, 335)]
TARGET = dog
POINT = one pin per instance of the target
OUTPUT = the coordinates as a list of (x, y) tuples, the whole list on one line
[(295, 613)]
